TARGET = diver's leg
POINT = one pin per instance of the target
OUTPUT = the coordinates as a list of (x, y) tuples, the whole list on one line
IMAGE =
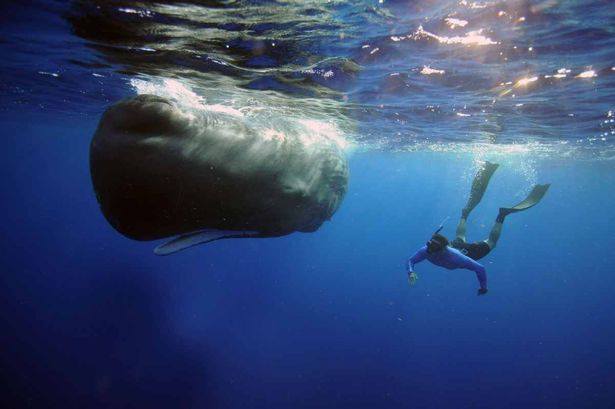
[(460, 234), (494, 234), (479, 185)]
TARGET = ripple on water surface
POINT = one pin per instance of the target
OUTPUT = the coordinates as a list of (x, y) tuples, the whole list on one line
[(394, 75)]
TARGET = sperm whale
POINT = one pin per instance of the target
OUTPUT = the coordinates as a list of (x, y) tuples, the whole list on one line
[(160, 170)]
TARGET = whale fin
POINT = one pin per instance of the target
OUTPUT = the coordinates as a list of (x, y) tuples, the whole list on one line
[(200, 237)]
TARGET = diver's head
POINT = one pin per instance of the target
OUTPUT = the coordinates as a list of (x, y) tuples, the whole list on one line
[(437, 243)]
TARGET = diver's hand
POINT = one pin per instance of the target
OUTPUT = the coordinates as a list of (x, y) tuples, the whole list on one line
[(482, 291), (412, 277)]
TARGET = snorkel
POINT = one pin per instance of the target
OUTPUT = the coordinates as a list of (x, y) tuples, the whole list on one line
[(437, 242)]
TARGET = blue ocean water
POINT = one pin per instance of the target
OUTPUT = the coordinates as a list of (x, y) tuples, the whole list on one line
[(325, 319)]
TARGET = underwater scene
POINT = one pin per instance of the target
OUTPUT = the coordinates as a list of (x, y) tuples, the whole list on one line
[(307, 204)]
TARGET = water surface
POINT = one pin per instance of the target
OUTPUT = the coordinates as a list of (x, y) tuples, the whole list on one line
[(418, 93)]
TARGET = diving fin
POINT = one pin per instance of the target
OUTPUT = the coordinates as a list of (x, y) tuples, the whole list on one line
[(200, 237), (479, 186), (531, 200)]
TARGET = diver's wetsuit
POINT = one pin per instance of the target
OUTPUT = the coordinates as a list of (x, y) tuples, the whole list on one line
[(451, 259)]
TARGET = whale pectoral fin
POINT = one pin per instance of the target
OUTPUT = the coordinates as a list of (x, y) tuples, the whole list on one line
[(200, 237)]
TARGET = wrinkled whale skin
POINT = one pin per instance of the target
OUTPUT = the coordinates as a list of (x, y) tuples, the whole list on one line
[(160, 171)]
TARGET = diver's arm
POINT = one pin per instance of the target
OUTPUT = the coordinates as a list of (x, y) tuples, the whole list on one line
[(481, 274), (419, 256)]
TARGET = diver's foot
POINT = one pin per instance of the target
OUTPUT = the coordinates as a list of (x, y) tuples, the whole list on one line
[(504, 211)]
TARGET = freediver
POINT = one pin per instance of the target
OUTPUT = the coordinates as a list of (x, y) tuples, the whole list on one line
[(461, 254)]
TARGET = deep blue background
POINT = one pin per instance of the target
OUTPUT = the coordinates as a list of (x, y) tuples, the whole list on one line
[(92, 319)]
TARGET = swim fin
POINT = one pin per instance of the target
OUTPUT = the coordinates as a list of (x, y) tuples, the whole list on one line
[(479, 186), (200, 237), (531, 200)]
